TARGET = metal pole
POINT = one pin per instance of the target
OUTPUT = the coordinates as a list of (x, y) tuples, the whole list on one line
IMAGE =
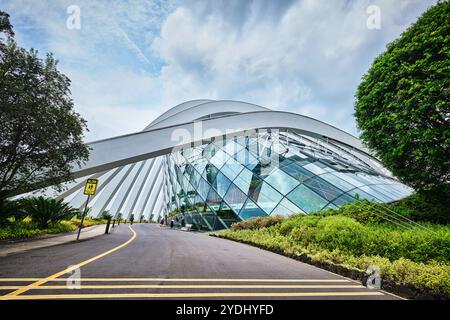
[(82, 217), (107, 226)]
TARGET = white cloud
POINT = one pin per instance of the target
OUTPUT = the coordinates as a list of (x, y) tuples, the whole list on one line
[(309, 57), (133, 59)]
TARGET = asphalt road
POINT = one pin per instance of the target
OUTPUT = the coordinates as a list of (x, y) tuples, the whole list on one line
[(149, 261)]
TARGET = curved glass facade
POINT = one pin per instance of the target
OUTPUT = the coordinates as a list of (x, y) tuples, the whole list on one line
[(270, 173)]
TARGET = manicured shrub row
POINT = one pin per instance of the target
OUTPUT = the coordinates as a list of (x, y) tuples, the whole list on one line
[(27, 229), (430, 280), (257, 223), (352, 237)]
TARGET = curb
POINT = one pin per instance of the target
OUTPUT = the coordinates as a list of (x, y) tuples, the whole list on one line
[(404, 291)]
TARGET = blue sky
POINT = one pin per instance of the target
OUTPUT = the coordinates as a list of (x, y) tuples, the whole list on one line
[(131, 60)]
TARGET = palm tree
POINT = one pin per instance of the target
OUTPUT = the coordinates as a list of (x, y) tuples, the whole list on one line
[(45, 211)]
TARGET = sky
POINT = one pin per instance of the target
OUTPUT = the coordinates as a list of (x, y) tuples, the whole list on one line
[(131, 60)]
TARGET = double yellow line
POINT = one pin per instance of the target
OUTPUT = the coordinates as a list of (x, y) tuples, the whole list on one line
[(196, 295), (39, 282)]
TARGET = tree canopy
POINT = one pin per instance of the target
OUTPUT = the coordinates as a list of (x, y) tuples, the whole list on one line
[(41, 135), (403, 102)]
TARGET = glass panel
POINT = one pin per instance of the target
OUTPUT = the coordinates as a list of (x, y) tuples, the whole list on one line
[(348, 178), (286, 208), (233, 148), (345, 198), (306, 199), (209, 151), (372, 191), (194, 178), (210, 173), (235, 198), (221, 184), (281, 181), (266, 197), (246, 158), (297, 172), (251, 210), (338, 182), (213, 200), (389, 196), (391, 190), (323, 188), (243, 180), (219, 159), (362, 195), (203, 188), (313, 167), (231, 169)]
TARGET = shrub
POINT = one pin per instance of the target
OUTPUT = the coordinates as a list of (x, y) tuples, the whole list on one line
[(27, 229), (105, 215), (340, 233), (382, 239), (45, 211), (11, 210), (257, 223), (426, 206), (433, 276)]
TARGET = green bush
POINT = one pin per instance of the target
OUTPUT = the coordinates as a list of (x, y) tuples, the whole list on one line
[(105, 215), (433, 276), (257, 223), (11, 210), (341, 232), (45, 211), (27, 229), (426, 206)]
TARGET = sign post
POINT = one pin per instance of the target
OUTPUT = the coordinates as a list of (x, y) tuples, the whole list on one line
[(89, 190)]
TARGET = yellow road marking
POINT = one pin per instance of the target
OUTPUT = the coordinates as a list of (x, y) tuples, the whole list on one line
[(19, 279), (79, 265), (161, 286), (193, 295), (173, 280)]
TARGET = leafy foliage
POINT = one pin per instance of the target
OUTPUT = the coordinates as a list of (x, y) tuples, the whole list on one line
[(41, 135), (46, 211), (330, 240), (426, 205), (340, 231), (11, 210), (403, 102), (27, 229), (105, 215), (257, 223)]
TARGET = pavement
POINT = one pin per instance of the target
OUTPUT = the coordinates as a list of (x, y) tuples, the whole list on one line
[(146, 261), (16, 246)]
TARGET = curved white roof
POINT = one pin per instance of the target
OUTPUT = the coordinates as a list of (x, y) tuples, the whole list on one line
[(130, 167)]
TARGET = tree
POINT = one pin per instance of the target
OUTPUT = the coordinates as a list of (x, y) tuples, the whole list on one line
[(41, 134), (403, 103), (5, 28), (46, 211)]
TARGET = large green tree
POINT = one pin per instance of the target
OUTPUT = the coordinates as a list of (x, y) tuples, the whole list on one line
[(403, 103), (41, 135)]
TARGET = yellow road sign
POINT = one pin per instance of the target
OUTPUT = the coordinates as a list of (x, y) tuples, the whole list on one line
[(91, 187)]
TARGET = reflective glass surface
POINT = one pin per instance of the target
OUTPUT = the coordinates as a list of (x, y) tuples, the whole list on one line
[(271, 173)]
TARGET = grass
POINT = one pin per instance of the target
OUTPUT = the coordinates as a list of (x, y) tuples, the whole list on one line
[(354, 239), (27, 229)]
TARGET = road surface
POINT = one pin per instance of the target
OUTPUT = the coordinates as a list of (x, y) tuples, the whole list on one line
[(146, 261)]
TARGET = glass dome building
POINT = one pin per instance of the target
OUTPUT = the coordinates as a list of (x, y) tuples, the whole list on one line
[(270, 173), (211, 163)]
